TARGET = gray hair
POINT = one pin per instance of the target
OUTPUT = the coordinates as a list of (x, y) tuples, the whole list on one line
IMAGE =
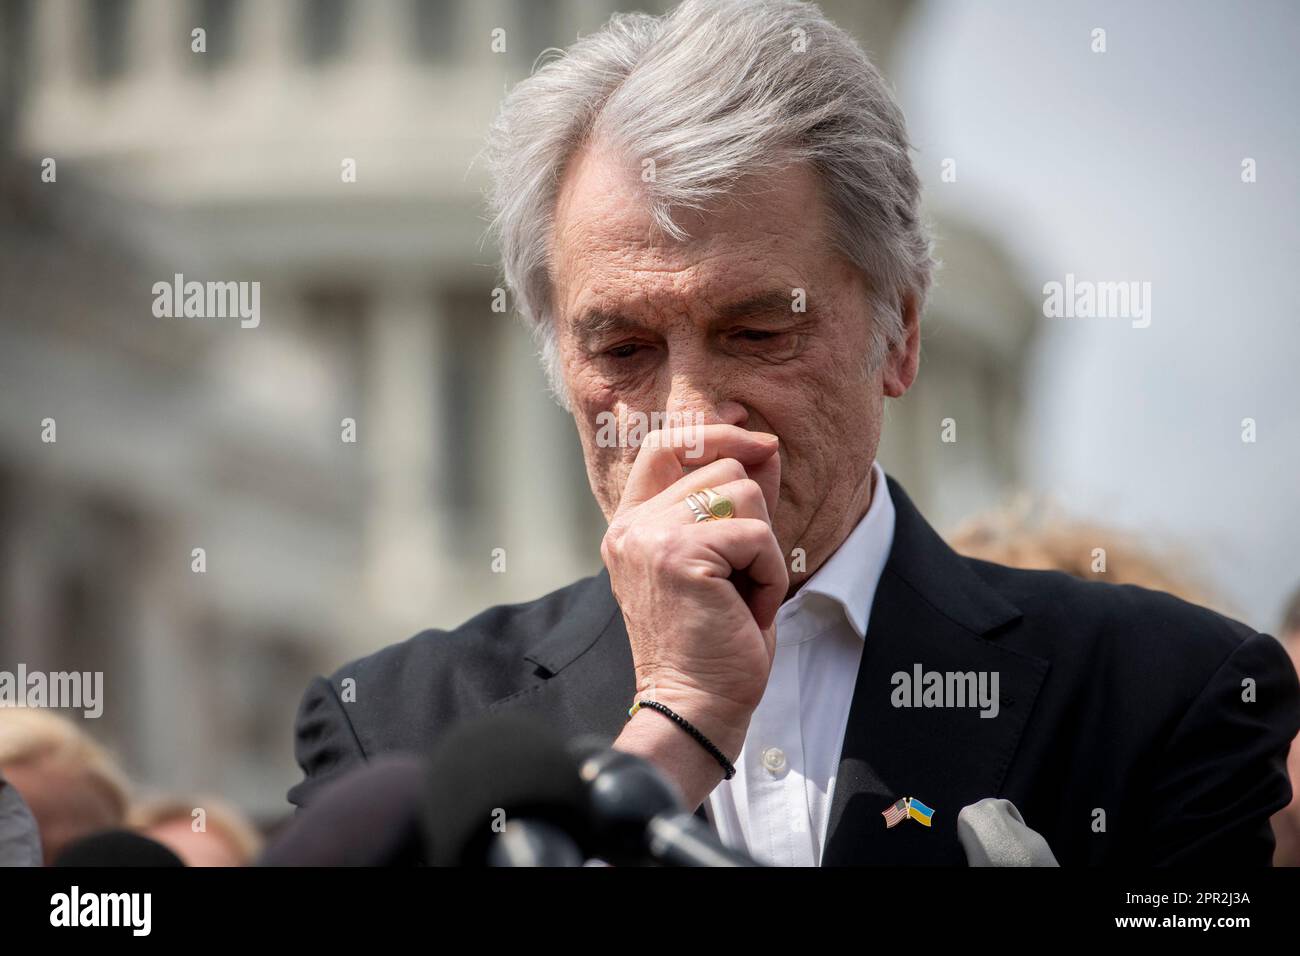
[(713, 91)]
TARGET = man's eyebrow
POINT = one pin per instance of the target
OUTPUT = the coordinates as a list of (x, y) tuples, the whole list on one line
[(773, 303), (596, 322)]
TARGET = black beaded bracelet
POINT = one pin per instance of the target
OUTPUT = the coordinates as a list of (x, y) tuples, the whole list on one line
[(687, 726)]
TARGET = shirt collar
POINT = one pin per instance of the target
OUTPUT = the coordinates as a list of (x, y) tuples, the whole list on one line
[(849, 576)]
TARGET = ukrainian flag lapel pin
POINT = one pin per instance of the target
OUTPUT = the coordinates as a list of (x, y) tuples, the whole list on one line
[(896, 813), (919, 812)]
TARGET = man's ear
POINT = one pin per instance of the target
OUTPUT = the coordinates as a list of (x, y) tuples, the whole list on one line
[(902, 359)]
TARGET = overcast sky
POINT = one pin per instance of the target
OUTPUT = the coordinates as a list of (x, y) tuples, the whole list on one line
[(1126, 165)]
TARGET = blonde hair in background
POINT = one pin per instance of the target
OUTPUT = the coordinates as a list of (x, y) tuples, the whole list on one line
[(221, 818), (1036, 534), (32, 736)]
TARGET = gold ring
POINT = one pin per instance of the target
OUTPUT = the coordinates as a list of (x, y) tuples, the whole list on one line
[(707, 505)]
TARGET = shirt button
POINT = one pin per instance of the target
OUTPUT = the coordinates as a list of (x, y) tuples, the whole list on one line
[(774, 759)]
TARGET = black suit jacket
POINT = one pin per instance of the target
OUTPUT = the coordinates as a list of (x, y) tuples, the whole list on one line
[(1127, 732)]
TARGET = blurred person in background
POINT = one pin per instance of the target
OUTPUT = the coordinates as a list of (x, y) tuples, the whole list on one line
[(1286, 822), (226, 837), (1037, 536), (20, 840), (72, 785)]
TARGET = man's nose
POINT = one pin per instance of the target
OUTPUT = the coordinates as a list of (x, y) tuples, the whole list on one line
[(698, 403)]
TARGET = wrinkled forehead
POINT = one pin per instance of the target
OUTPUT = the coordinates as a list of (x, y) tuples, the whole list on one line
[(607, 250)]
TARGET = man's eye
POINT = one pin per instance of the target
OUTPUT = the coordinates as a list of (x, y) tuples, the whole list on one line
[(756, 335), (623, 351)]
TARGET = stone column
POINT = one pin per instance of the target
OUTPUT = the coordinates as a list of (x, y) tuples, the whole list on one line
[(398, 435), (536, 487)]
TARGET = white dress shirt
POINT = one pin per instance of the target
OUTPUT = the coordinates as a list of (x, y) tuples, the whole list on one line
[(776, 806)]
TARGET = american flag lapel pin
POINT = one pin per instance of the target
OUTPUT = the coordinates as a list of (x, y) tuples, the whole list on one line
[(895, 813)]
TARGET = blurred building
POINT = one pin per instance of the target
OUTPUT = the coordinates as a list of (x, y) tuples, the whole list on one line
[(175, 434)]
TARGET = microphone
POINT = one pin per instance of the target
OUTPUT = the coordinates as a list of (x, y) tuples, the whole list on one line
[(638, 814), (500, 791), (504, 790), (369, 817), (993, 833), (533, 843), (116, 848)]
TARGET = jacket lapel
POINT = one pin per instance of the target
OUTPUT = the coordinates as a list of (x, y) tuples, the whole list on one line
[(591, 705), (931, 609), (584, 668)]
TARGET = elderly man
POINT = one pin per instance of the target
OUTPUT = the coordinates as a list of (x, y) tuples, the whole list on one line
[(713, 216)]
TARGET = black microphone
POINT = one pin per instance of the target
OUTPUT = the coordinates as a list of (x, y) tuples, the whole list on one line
[(116, 848), (502, 772), (533, 843), (638, 813), (369, 817)]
